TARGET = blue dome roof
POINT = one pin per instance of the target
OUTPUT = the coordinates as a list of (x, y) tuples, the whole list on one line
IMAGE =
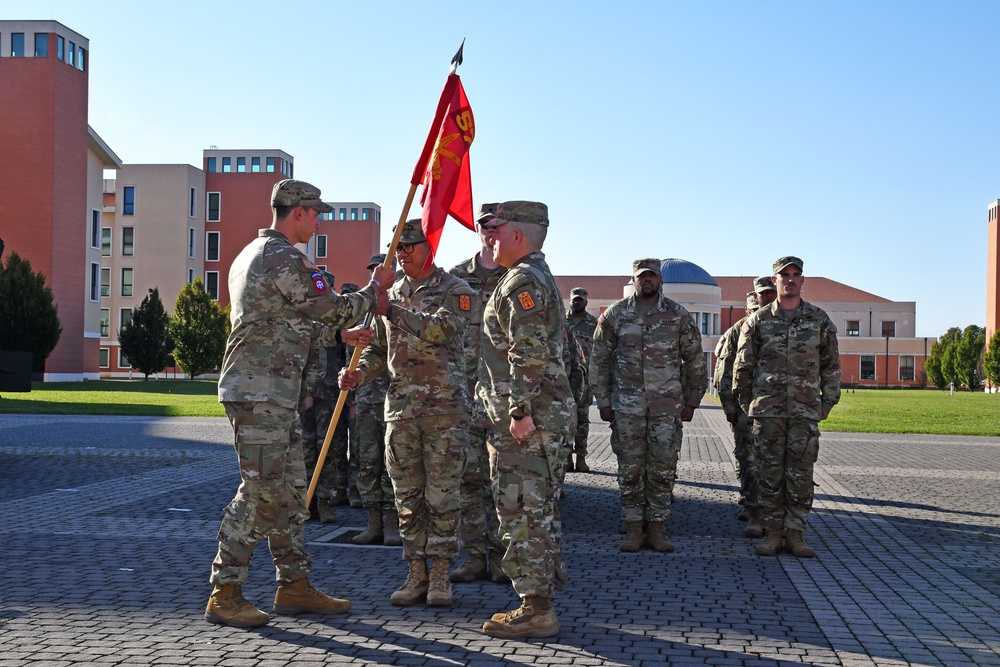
[(683, 271)]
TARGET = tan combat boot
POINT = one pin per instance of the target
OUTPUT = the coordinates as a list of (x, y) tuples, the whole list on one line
[(656, 539), (771, 544), (569, 464), (414, 589), (354, 498), (473, 568), (372, 533), (581, 462), (497, 575), (298, 597), (753, 527), (325, 511), (534, 618), (439, 586), (633, 537), (390, 529), (795, 544), (227, 606)]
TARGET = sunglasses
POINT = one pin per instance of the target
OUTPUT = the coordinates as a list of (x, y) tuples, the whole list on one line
[(408, 247)]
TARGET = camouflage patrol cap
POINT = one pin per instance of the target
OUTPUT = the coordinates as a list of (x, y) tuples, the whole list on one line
[(375, 260), (290, 192), (348, 288), (782, 262), (646, 264), (412, 232), (529, 212), (752, 301), (486, 212), (764, 284), (578, 292)]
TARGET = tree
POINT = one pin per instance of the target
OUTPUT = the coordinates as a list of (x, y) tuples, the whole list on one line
[(948, 343), (991, 360), (968, 350), (932, 366), (145, 341), (29, 318), (199, 329)]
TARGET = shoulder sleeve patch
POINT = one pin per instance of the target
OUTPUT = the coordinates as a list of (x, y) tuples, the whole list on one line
[(745, 328), (464, 302), (319, 282), (524, 298)]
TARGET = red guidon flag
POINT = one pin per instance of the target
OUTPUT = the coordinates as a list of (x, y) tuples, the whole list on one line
[(443, 167)]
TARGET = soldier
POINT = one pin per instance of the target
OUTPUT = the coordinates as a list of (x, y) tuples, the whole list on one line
[(479, 530), (648, 374), (787, 379), (725, 353), (524, 387), (276, 293), (420, 340), (582, 324), (373, 481)]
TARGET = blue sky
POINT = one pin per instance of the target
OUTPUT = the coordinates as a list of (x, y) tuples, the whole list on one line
[(860, 136)]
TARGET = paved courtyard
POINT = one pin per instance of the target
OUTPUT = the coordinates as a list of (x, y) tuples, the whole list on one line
[(108, 530)]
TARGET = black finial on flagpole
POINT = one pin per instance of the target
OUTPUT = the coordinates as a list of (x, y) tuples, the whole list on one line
[(457, 60)]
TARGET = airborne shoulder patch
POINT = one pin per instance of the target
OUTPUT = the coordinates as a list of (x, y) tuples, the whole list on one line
[(524, 298), (318, 281)]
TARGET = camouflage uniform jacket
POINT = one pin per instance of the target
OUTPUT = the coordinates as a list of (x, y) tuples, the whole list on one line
[(421, 344), (650, 364), (583, 329), (787, 366), (725, 359), (522, 366), (275, 295)]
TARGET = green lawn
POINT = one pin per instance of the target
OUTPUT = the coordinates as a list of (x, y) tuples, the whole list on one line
[(160, 398), (915, 411)]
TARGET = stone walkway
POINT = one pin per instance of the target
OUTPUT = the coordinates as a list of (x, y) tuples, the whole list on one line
[(108, 529)]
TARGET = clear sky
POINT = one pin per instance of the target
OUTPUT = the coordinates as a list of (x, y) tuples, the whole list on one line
[(861, 136)]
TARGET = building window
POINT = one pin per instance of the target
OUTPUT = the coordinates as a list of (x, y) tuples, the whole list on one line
[(214, 213), (61, 48), (706, 324), (255, 165), (105, 242), (193, 203), (95, 280), (105, 322), (123, 360), (212, 247), (241, 165), (128, 241), (889, 329), (343, 214), (364, 213), (105, 282), (124, 318), (105, 358), (321, 245), (867, 366), (354, 214), (190, 276), (80, 59), (270, 165), (41, 45), (17, 44), (212, 284), (906, 364), (128, 200), (127, 278), (191, 243), (227, 165), (853, 327), (321, 267), (211, 165), (70, 53), (95, 228)]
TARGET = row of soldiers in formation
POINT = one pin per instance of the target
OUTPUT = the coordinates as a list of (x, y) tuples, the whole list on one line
[(480, 413)]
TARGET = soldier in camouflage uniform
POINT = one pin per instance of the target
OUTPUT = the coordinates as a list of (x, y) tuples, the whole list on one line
[(725, 352), (276, 294), (420, 340), (582, 324), (373, 481), (479, 529), (527, 395), (787, 379), (648, 374)]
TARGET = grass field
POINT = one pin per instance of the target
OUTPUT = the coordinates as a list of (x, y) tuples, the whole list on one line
[(160, 398)]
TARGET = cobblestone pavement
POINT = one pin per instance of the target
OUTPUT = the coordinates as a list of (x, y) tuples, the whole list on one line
[(108, 530)]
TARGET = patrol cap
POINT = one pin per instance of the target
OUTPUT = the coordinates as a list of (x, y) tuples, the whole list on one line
[(290, 192), (347, 288), (646, 264), (782, 262), (578, 292), (752, 301), (765, 284), (486, 212), (375, 260), (412, 232), (529, 212)]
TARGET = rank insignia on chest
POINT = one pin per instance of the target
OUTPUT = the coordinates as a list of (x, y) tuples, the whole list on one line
[(793, 332), (464, 302), (319, 282), (524, 298)]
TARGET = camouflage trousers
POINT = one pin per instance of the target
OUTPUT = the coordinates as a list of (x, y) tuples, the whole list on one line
[(313, 434), (373, 481), (425, 457), (745, 462), (583, 421), (786, 451), (647, 449), (479, 529), (270, 501), (526, 479)]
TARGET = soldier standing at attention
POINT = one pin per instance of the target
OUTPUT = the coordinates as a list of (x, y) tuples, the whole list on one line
[(479, 529), (787, 379), (582, 324), (648, 374), (420, 340), (527, 395), (277, 294), (725, 353)]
